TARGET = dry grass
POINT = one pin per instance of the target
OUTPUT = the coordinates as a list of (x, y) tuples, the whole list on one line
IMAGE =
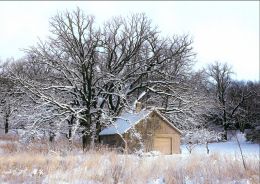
[(8, 137), (9, 147), (35, 163)]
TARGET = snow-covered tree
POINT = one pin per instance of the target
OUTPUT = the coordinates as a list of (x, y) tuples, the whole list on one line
[(11, 100), (83, 73), (229, 96)]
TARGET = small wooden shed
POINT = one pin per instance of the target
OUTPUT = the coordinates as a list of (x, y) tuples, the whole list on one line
[(146, 129)]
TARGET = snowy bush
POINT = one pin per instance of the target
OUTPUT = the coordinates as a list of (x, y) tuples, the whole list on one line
[(253, 135), (199, 136)]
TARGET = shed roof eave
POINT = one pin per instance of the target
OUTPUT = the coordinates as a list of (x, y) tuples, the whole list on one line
[(167, 121)]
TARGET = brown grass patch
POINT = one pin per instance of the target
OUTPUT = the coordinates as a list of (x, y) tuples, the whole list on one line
[(8, 137), (9, 147), (111, 167), (55, 163)]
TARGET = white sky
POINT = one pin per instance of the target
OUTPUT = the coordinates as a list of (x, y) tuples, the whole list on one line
[(223, 31)]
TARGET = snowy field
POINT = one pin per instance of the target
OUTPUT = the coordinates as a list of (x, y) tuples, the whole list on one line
[(39, 165), (229, 147)]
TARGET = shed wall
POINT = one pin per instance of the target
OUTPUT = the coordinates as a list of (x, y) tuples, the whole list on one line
[(151, 129)]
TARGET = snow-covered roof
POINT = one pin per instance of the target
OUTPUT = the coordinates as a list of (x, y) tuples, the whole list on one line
[(128, 120), (125, 122)]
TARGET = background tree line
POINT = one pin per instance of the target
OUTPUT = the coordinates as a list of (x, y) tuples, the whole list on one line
[(84, 75)]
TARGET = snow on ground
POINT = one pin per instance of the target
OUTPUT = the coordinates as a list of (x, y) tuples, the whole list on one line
[(229, 147), (225, 147), (157, 181)]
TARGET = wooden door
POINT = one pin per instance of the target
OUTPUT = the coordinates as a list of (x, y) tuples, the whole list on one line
[(163, 144)]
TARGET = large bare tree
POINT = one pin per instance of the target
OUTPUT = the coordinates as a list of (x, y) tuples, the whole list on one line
[(86, 75)]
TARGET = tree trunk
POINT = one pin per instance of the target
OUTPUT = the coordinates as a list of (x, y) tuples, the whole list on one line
[(6, 124), (98, 130), (93, 135), (51, 133), (242, 126), (207, 147), (86, 134), (69, 135), (51, 137), (86, 139), (225, 123), (225, 133), (70, 123)]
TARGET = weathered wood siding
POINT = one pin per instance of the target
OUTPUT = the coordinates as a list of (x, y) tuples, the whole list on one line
[(156, 133), (112, 140), (164, 130)]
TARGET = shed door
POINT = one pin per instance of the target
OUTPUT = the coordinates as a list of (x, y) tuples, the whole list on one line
[(163, 144)]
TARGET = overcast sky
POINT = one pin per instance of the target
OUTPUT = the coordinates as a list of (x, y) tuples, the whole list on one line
[(222, 31)]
